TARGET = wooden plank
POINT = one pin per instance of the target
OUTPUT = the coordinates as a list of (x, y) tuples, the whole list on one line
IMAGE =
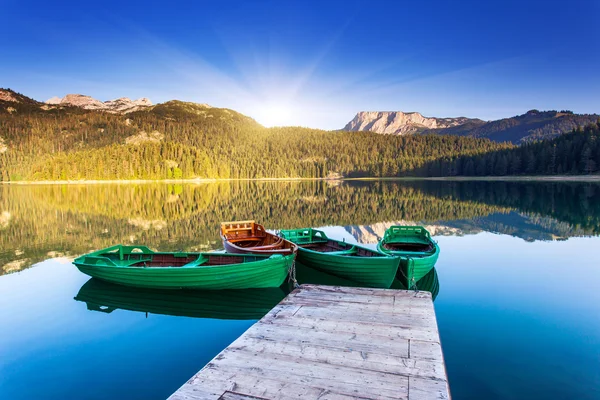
[(427, 389), (193, 392), (387, 307), (343, 358), (323, 325), (323, 375), (254, 382), (396, 347), (236, 396), (389, 319), (425, 350), (250, 379), (331, 343)]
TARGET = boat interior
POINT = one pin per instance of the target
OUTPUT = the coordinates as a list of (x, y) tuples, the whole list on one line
[(250, 235), (416, 247), (178, 259)]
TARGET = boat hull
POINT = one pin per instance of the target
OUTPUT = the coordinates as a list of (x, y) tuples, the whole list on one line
[(360, 264), (247, 272), (377, 272)]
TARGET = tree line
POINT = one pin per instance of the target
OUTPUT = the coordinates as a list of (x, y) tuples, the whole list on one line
[(574, 153), (199, 142)]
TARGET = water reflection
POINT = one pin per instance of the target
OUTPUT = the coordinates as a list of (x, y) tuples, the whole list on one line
[(40, 222), (248, 304), (501, 308)]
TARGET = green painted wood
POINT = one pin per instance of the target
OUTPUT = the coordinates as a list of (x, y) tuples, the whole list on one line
[(139, 266), (359, 264), (429, 283), (408, 242)]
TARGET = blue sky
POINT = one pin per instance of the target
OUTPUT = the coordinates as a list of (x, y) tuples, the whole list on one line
[(311, 63)]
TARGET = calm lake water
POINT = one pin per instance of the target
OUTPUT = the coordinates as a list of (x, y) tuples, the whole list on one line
[(519, 281)]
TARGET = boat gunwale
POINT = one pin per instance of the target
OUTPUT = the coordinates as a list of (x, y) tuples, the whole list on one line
[(264, 258), (393, 235), (325, 239)]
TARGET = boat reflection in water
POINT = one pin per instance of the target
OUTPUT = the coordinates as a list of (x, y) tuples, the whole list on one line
[(429, 282), (243, 304)]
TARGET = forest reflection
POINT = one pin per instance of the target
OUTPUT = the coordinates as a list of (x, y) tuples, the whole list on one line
[(43, 221)]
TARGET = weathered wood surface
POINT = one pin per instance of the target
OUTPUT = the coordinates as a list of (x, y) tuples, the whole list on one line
[(332, 343)]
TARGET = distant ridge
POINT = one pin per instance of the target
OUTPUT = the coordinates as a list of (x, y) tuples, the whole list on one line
[(531, 126), (402, 123), (120, 105)]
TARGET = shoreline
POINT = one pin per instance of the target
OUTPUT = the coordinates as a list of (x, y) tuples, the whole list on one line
[(543, 178)]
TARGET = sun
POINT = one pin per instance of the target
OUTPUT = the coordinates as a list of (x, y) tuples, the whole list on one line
[(274, 114)]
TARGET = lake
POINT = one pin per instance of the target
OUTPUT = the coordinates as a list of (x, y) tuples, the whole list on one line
[(517, 281)]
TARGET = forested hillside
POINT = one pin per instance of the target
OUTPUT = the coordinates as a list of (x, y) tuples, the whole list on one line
[(178, 140), (574, 153), (530, 127), (186, 140)]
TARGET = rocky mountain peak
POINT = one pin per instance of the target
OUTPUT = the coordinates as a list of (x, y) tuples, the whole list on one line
[(399, 122), (121, 105), (54, 100), (8, 95), (80, 100)]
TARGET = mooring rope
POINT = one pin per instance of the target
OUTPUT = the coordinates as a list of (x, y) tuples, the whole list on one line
[(292, 274), (410, 283)]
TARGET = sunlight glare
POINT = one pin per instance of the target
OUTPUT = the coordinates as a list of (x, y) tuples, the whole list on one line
[(274, 114)]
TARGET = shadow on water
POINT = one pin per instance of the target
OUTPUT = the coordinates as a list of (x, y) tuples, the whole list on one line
[(247, 304)]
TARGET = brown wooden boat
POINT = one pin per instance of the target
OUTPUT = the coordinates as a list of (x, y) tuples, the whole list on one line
[(250, 237)]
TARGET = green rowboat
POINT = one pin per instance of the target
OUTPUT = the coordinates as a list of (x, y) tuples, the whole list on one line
[(242, 304), (417, 251), (359, 264), (141, 267)]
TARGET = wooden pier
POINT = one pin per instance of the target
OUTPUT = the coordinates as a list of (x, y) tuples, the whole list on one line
[(332, 343)]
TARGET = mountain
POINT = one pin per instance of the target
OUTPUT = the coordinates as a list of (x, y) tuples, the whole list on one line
[(81, 138), (121, 105), (9, 97), (401, 123), (529, 227), (531, 126), (176, 139), (16, 101)]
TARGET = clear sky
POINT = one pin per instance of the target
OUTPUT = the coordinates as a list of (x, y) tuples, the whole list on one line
[(310, 63)]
